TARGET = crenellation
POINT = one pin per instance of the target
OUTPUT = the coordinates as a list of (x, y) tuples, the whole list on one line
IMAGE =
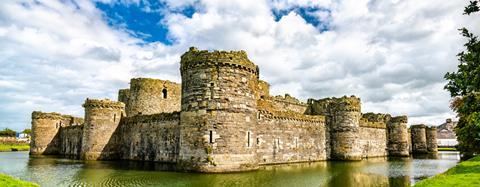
[(221, 118)]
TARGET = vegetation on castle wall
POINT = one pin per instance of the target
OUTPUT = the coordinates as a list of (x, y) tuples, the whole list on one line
[(464, 87)]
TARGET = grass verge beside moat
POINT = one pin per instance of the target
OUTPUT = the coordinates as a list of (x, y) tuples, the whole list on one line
[(466, 173), (14, 147), (6, 180)]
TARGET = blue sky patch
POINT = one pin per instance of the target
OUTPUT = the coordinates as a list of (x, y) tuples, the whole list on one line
[(307, 13), (142, 20)]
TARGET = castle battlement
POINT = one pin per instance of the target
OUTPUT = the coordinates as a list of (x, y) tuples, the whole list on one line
[(234, 59), (103, 103), (49, 115), (399, 119), (222, 118)]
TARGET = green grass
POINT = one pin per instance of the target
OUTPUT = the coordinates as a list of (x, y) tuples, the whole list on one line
[(9, 181), (447, 149), (466, 173), (11, 147)]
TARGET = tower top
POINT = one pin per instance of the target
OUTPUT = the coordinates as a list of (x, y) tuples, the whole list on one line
[(194, 57), (103, 103)]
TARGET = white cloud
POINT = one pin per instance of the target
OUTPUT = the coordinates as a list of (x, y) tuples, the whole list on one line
[(392, 54)]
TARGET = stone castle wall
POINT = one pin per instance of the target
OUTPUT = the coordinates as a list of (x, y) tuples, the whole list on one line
[(71, 141), (373, 137), (150, 96), (150, 137), (288, 103), (287, 136), (45, 131), (221, 118)]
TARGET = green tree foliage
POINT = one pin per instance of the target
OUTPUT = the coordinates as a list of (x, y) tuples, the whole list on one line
[(464, 87), (27, 131), (7, 132)]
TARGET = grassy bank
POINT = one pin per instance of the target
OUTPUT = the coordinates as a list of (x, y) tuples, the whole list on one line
[(466, 173), (13, 147), (447, 149), (6, 180)]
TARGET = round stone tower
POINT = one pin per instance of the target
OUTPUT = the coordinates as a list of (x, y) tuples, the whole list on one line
[(45, 137), (218, 115), (101, 120), (398, 136), (344, 128), (419, 139), (151, 96), (432, 145)]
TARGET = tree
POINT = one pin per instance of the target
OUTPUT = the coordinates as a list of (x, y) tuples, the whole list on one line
[(27, 131), (464, 87), (7, 133)]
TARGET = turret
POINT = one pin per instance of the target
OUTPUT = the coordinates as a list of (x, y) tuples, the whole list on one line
[(218, 115), (431, 134), (101, 120), (152, 96), (419, 139), (344, 128), (263, 89), (398, 136), (45, 136), (124, 97)]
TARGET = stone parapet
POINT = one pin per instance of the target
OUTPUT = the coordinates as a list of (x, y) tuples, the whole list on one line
[(373, 117), (234, 59), (103, 103), (293, 116)]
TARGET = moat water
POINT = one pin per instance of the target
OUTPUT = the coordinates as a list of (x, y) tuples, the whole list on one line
[(51, 171)]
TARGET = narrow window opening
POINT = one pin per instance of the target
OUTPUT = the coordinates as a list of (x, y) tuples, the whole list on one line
[(114, 117), (211, 137), (164, 92), (258, 115), (248, 139), (258, 141)]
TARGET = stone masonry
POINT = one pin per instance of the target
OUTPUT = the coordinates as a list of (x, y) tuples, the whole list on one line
[(222, 118)]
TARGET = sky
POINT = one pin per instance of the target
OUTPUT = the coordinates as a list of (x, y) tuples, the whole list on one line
[(392, 54)]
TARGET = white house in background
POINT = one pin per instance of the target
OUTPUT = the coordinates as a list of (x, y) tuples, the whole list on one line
[(446, 135)]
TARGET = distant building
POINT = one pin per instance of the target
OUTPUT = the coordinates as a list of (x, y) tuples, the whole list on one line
[(446, 134)]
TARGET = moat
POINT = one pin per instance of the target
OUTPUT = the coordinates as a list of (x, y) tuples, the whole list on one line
[(52, 171)]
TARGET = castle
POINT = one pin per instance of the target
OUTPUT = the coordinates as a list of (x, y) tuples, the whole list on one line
[(221, 118)]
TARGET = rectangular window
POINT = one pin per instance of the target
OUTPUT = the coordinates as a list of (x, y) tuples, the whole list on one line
[(211, 136), (248, 139)]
